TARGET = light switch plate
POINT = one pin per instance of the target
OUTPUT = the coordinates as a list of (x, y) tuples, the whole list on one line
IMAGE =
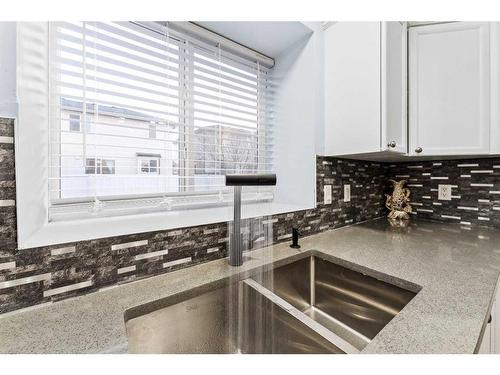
[(347, 193), (327, 194), (444, 192)]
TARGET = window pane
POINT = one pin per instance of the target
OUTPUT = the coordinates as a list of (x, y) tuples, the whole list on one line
[(129, 97), (225, 135), (108, 167), (152, 131), (90, 166), (74, 123)]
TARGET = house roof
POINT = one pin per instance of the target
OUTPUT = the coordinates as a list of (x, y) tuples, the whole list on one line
[(210, 129), (75, 105)]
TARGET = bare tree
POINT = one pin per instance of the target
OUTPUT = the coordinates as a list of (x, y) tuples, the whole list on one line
[(223, 149)]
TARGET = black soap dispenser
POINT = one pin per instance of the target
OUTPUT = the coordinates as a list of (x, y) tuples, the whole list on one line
[(295, 238)]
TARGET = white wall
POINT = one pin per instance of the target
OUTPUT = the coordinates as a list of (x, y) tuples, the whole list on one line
[(299, 118), (8, 98)]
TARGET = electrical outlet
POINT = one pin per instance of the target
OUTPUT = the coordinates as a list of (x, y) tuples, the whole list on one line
[(444, 192), (327, 194), (347, 193)]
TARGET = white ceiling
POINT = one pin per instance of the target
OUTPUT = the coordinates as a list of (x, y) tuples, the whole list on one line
[(269, 38)]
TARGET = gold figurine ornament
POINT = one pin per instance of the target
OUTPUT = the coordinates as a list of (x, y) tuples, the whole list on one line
[(398, 202)]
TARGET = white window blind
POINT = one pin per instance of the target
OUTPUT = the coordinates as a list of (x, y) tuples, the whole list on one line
[(146, 91)]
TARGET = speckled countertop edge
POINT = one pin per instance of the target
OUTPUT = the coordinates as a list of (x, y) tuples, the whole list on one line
[(456, 268)]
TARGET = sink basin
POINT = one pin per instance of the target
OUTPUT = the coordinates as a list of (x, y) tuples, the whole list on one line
[(352, 305), (310, 305)]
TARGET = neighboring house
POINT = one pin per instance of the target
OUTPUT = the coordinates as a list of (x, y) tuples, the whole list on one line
[(124, 152), (120, 152)]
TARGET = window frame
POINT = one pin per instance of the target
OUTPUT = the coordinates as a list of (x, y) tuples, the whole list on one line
[(99, 165), (149, 159)]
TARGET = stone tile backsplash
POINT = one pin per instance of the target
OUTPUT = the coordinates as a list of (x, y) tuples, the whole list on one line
[(475, 186), (40, 275)]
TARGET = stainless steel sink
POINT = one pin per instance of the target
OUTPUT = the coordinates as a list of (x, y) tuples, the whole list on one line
[(350, 304), (308, 306)]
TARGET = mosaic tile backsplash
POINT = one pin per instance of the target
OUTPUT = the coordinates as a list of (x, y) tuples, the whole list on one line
[(47, 274), (475, 186)]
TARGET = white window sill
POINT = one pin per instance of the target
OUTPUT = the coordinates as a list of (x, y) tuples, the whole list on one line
[(80, 230)]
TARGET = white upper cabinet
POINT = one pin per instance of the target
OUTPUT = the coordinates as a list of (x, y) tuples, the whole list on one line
[(352, 88), (449, 89), (365, 88)]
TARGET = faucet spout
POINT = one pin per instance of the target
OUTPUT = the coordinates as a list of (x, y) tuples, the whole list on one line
[(239, 180), (236, 248)]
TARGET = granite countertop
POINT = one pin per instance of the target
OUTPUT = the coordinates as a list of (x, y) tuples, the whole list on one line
[(456, 267)]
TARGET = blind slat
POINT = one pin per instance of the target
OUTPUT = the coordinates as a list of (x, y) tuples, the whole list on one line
[(173, 128), (157, 114), (262, 105), (149, 101), (161, 78), (223, 104), (200, 59)]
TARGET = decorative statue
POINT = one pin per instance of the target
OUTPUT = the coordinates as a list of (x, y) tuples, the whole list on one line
[(398, 202)]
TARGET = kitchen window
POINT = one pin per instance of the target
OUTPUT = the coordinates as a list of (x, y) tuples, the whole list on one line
[(151, 88)]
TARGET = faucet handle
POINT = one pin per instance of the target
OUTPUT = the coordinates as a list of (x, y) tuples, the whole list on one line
[(295, 238)]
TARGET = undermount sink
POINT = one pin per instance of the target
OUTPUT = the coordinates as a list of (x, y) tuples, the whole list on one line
[(310, 305)]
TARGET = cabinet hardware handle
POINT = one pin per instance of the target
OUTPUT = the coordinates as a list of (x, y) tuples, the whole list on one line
[(489, 320), (391, 144), (418, 150)]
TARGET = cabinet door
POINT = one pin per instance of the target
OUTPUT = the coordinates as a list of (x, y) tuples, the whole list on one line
[(393, 70), (449, 89), (352, 88)]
